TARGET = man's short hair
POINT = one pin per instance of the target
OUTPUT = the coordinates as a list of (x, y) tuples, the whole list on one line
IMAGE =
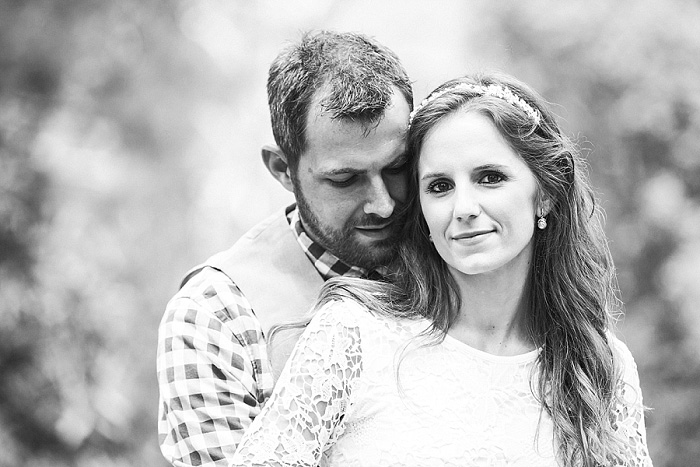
[(354, 75)]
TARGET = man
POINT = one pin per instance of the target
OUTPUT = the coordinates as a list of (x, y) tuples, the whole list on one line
[(339, 107)]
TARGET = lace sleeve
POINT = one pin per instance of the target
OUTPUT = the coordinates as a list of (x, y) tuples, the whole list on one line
[(305, 414), (629, 414)]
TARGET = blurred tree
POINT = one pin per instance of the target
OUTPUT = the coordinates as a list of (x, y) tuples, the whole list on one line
[(78, 89), (28, 87)]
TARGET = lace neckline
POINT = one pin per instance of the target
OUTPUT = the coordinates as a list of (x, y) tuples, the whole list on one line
[(458, 345)]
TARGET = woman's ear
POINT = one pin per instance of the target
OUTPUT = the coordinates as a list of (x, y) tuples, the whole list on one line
[(276, 162), (544, 206)]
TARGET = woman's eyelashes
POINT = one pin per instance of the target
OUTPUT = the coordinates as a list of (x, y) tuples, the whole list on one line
[(489, 178), (439, 186), (492, 177)]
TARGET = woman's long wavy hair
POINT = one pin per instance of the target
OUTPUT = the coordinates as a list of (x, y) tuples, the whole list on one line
[(573, 292)]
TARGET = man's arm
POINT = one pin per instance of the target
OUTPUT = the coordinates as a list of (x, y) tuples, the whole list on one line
[(212, 369)]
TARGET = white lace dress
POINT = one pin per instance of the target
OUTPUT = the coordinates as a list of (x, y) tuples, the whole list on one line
[(341, 402)]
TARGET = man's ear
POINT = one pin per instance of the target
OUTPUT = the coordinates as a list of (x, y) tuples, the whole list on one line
[(276, 162)]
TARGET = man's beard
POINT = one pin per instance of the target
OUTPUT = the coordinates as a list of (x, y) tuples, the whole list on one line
[(343, 242)]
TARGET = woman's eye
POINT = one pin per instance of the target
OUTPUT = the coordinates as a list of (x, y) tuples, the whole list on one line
[(439, 186), (492, 178)]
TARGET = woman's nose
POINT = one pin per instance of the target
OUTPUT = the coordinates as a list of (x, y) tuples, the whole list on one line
[(466, 204)]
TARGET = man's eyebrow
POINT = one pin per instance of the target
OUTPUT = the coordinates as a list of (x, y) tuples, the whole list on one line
[(399, 161), (340, 171)]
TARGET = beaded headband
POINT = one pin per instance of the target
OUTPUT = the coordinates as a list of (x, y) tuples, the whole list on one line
[(490, 90)]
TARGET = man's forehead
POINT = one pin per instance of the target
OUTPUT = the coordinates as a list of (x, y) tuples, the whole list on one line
[(335, 144), (327, 163), (319, 113), (323, 124)]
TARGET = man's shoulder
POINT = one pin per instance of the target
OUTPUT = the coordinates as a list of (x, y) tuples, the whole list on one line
[(209, 292), (275, 223), (276, 220), (268, 238), (266, 270), (240, 250)]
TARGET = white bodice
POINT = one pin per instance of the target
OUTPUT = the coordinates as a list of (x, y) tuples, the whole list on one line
[(340, 401)]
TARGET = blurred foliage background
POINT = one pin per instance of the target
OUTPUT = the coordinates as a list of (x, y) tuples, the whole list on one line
[(129, 152)]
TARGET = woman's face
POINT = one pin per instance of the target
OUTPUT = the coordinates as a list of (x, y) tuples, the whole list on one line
[(477, 195)]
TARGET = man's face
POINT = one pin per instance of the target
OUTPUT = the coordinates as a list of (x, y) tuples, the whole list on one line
[(350, 184)]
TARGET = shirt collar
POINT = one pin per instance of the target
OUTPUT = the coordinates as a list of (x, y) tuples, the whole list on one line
[(325, 262)]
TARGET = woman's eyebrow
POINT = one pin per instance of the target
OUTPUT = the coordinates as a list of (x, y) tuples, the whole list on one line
[(432, 175)]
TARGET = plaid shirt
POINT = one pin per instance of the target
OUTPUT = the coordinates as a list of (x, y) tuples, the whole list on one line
[(213, 369)]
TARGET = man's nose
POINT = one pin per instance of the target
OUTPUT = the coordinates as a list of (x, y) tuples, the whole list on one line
[(379, 200)]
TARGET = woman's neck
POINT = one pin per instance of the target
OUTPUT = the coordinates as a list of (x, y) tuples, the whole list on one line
[(494, 312)]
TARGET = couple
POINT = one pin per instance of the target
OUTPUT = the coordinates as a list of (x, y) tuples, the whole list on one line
[(466, 315)]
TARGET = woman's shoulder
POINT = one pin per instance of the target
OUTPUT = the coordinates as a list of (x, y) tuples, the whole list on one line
[(626, 362), (621, 351), (345, 312), (350, 313)]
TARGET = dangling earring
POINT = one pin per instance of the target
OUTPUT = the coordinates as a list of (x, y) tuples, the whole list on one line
[(541, 223)]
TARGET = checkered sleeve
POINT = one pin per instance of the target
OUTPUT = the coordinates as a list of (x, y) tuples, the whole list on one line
[(213, 372)]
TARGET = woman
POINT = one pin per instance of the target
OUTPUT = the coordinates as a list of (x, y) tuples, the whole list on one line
[(493, 344)]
